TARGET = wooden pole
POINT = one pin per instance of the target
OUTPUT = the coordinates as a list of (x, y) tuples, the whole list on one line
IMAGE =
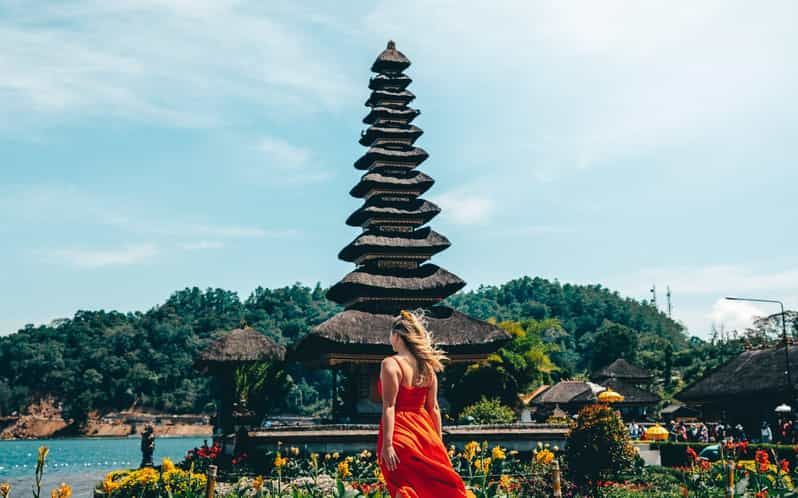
[(555, 479), (730, 487), (210, 486)]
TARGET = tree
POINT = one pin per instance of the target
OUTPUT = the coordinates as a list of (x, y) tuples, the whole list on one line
[(610, 342)]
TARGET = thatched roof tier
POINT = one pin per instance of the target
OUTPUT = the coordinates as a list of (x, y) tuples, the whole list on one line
[(395, 82), (368, 335), (415, 213), (390, 61), (569, 392), (425, 283), (389, 98), (412, 181), (632, 395), (396, 155), (390, 132), (622, 369), (754, 373), (245, 345), (425, 242), (382, 114)]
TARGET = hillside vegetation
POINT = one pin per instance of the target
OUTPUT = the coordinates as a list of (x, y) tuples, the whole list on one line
[(106, 360)]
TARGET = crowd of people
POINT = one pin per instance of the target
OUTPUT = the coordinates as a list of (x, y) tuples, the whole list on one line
[(785, 432)]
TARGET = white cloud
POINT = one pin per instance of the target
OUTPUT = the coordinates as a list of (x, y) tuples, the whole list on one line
[(720, 280), (201, 245), (735, 315), (464, 208), (92, 258), (282, 154), (172, 62)]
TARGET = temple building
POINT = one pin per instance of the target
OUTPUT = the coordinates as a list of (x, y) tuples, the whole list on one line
[(746, 389), (391, 255), (634, 384)]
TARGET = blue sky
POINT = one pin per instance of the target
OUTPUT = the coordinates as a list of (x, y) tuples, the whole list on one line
[(146, 146)]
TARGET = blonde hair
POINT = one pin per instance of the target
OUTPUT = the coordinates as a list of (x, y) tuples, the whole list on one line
[(419, 341)]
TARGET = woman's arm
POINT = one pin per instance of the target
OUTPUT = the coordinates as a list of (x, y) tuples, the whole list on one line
[(390, 376), (432, 406)]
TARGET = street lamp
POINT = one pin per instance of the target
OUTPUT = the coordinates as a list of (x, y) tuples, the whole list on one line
[(784, 335)]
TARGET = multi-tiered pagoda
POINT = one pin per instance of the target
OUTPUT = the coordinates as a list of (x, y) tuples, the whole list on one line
[(391, 253)]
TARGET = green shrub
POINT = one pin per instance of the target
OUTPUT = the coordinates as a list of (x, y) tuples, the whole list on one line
[(598, 447), (487, 411)]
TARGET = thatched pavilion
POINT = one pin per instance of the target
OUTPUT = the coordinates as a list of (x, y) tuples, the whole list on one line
[(391, 255), (221, 359), (634, 384), (745, 389)]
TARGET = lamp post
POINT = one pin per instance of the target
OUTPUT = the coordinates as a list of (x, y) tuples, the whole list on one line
[(784, 335)]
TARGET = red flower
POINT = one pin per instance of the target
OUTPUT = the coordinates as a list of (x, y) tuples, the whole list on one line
[(785, 466), (761, 494), (692, 454), (704, 464), (743, 447), (762, 460)]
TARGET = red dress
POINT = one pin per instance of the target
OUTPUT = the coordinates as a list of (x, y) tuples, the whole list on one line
[(424, 469)]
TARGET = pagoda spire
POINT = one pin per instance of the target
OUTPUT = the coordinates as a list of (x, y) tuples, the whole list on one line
[(392, 251)]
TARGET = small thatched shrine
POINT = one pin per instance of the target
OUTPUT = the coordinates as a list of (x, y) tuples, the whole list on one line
[(745, 389), (634, 384), (391, 254), (223, 357)]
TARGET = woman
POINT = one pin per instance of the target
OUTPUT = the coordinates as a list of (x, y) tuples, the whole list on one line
[(412, 456)]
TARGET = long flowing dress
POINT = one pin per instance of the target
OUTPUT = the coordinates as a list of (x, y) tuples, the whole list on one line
[(424, 469)]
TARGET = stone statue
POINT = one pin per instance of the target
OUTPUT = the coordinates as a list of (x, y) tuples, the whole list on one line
[(147, 447)]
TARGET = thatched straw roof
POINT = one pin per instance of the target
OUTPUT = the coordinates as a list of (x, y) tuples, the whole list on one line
[(382, 113), (567, 392), (425, 282), (419, 209), (422, 242), (407, 155), (369, 333), (408, 180), (390, 131), (390, 81), (759, 372), (622, 369), (390, 60), (389, 98), (241, 346), (632, 394)]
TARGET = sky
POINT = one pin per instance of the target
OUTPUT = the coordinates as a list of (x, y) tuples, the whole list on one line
[(147, 146)]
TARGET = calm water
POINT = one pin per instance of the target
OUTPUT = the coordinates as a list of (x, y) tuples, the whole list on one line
[(80, 462)]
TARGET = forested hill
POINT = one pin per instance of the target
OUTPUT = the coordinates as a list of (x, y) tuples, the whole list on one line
[(109, 360)]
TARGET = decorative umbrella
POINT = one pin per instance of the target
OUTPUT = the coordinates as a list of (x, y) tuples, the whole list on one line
[(610, 396), (783, 408), (656, 433)]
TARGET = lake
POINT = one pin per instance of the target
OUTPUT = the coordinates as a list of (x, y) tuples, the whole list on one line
[(80, 462)]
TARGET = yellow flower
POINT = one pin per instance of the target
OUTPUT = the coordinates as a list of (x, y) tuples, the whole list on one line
[(544, 457), (62, 491), (43, 452), (452, 451), (470, 450), (314, 460), (336, 455), (327, 456), (257, 483), (5, 489), (365, 454), (470, 494), (482, 464), (505, 482), (343, 469), (279, 461), (294, 451), (378, 475), (167, 465), (498, 453)]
